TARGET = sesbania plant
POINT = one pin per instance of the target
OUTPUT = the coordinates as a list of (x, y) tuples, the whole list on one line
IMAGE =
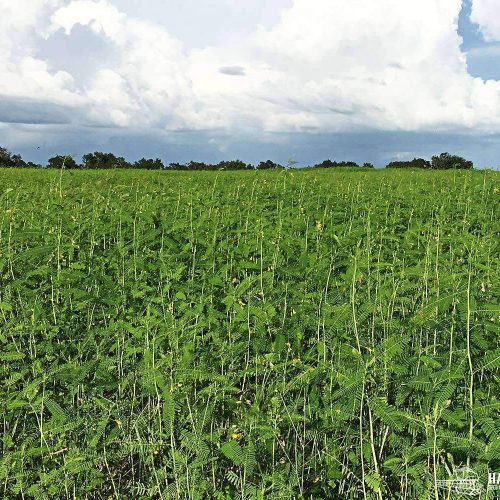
[(291, 334)]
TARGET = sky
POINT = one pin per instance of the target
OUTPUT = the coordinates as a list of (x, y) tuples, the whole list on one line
[(209, 80)]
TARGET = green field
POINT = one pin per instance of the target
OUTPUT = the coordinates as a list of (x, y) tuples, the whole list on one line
[(279, 334)]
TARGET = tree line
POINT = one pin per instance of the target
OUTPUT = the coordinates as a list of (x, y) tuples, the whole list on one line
[(444, 161), (99, 160)]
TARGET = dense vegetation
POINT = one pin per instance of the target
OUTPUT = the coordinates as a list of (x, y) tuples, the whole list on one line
[(444, 161), (256, 334), (107, 161), (337, 164), (415, 163)]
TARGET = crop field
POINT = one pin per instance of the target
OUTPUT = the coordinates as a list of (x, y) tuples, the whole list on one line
[(265, 334)]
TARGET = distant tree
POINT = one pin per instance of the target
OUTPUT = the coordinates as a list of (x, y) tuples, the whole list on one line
[(348, 164), (177, 166), (149, 164), (335, 164), (62, 161), (368, 165), (18, 162), (233, 165), (415, 163), (268, 164), (30, 164), (326, 164), (100, 160), (199, 165), (445, 161), (7, 159)]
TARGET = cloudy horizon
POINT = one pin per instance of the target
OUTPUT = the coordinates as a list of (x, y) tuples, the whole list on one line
[(254, 79)]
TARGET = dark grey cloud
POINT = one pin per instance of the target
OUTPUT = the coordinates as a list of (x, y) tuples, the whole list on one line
[(233, 70), (33, 111), (307, 148)]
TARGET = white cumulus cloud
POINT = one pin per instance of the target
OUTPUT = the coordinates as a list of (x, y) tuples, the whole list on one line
[(486, 13), (148, 82), (23, 74), (324, 65), (335, 65)]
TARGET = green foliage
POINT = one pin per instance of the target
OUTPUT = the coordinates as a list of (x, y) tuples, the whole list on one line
[(62, 161), (415, 163), (233, 165), (148, 164), (336, 164), (100, 160), (269, 165), (8, 160), (252, 334), (445, 161)]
